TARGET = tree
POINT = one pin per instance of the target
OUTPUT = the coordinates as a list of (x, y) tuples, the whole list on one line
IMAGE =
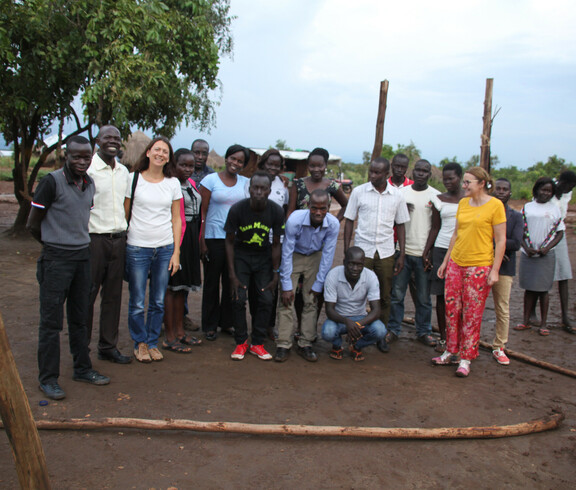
[(145, 63), (281, 145), (552, 168)]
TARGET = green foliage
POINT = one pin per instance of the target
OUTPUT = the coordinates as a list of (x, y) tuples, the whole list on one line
[(410, 150), (145, 63), (281, 145)]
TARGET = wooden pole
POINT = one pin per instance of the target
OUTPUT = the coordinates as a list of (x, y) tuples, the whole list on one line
[(379, 139), (487, 127), (539, 425), (533, 360), (19, 423)]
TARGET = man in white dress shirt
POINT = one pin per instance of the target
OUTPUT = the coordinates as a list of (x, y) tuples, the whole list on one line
[(377, 206), (108, 241)]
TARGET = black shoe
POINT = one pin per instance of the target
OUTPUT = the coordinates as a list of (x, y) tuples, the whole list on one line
[(52, 390), (307, 353), (114, 356), (281, 354), (211, 336), (569, 329), (383, 346), (427, 340), (93, 377), (391, 337)]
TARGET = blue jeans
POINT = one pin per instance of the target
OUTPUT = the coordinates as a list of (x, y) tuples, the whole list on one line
[(371, 333), (413, 267), (141, 263)]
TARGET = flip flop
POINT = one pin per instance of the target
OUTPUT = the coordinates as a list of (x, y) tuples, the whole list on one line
[(521, 326), (189, 340), (543, 331), (176, 346)]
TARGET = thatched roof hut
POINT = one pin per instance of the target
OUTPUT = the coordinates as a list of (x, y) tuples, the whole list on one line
[(134, 147)]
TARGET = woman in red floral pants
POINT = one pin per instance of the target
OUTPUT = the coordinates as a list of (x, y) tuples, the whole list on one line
[(471, 267)]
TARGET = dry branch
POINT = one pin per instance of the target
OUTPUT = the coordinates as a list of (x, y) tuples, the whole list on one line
[(539, 425), (533, 360)]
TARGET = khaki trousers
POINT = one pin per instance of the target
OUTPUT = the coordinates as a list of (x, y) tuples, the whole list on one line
[(501, 294), (384, 270), (307, 266)]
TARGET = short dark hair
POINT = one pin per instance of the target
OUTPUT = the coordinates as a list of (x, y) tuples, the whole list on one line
[(267, 154), (543, 181), (261, 173), (79, 140), (320, 193), (182, 151), (353, 251), (320, 152), (504, 179), (235, 149), (454, 167), (199, 140), (383, 160), (567, 176), (400, 156)]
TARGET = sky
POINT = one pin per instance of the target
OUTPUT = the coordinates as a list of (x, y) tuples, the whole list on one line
[(309, 72)]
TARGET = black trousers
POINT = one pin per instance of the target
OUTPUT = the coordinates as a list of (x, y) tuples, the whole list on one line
[(62, 281), (107, 256), (255, 267), (216, 305)]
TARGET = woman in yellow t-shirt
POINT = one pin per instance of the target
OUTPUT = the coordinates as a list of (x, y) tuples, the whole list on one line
[(471, 267)]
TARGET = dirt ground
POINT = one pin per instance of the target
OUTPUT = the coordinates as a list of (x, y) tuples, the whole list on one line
[(399, 389)]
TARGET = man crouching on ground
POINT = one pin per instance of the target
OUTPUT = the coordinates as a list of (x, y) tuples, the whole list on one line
[(59, 220), (346, 290)]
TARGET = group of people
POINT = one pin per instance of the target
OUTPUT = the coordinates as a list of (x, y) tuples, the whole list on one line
[(264, 244)]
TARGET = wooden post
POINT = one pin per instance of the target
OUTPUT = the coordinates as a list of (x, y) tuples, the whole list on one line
[(486, 127), (19, 422), (379, 140)]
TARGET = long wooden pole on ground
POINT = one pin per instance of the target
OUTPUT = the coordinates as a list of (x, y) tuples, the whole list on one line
[(539, 425), (486, 127), (379, 138), (19, 423), (533, 360)]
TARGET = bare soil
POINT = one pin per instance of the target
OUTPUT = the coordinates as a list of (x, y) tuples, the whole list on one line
[(399, 389)]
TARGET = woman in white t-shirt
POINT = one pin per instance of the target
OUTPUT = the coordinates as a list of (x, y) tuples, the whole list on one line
[(153, 244), (543, 229), (444, 207)]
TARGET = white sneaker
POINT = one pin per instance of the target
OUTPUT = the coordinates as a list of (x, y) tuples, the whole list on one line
[(500, 357)]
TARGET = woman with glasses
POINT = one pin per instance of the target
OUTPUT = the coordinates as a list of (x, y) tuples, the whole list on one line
[(471, 267)]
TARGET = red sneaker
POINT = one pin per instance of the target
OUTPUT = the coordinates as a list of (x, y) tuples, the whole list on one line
[(501, 357), (240, 351), (258, 350)]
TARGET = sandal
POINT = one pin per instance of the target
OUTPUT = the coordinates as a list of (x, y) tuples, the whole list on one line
[(356, 354), (521, 326), (544, 331), (337, 354), (189, 340), (176, 346)]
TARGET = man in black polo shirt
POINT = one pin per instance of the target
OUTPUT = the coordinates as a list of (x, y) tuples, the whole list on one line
[(251, 257), (59, 220)]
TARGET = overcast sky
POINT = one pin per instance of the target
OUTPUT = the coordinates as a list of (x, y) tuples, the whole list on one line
[(309, 72)]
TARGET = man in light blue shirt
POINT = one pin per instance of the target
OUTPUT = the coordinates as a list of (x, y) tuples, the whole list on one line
[(308, 250)]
